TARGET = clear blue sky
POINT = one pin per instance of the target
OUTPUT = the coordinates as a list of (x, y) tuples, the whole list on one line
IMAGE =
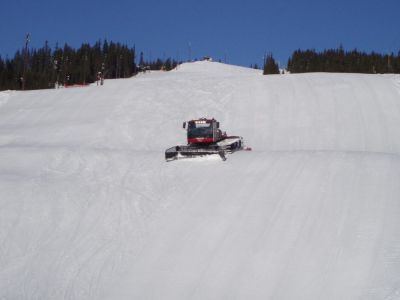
[(240, 31)]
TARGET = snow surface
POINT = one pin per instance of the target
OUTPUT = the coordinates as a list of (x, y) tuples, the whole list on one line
[(89, 209)]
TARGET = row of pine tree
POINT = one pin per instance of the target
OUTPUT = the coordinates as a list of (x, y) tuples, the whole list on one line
[(341, 61), (65, 66), (48, 68), (338, 61)]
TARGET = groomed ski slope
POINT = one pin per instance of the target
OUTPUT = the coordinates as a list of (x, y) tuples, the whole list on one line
[(89, 209)]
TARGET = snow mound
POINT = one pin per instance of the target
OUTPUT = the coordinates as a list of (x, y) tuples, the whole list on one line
[(215, 69)]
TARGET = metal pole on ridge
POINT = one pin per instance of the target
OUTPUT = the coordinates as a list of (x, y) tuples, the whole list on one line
[(23, 79)]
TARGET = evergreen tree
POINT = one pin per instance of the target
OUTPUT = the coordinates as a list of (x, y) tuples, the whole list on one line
[(270, 66), (141, 60)]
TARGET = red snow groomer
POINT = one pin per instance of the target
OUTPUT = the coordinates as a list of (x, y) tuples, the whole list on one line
[(205, 138)]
